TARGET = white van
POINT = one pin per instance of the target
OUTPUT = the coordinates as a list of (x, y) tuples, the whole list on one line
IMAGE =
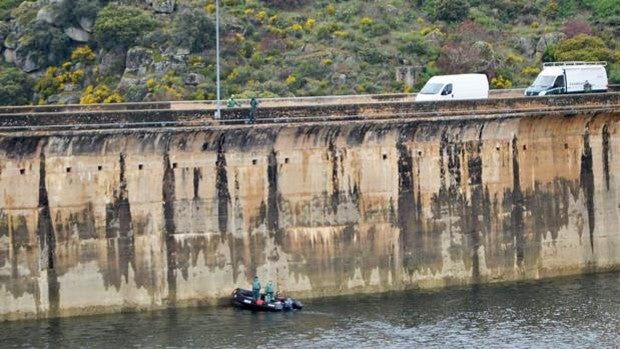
[(569, 77), (453, 87)]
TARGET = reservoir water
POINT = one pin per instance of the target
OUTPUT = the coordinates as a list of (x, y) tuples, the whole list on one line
[(561, 313)]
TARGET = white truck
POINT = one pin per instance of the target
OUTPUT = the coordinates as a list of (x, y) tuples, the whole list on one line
[(454, 87), (569, 77)]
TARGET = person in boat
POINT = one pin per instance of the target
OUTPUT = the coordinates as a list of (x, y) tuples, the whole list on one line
[(270, 292), (256, 288)]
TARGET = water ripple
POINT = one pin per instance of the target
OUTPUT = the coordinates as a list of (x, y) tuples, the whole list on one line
[(575, 312)]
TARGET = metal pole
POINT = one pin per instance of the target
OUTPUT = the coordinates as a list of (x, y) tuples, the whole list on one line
[(217, 52)]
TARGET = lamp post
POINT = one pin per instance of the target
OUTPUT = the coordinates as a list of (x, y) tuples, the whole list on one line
[(217, 58)]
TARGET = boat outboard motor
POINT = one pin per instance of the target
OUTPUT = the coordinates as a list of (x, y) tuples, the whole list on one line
[(287, 304), (297, 304)]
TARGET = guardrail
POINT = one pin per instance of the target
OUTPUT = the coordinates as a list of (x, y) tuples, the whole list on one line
[(385, 110), (264, 102), (201, 123), (211, 105)]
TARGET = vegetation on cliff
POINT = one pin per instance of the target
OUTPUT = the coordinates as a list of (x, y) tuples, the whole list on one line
[(92, 51)]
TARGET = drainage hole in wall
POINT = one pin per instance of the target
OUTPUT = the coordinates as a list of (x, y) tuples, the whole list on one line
[(22, 171), (99, 168), (68, 169), (140, 167)]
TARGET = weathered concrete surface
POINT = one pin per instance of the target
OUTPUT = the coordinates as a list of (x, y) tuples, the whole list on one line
[(101, 222)]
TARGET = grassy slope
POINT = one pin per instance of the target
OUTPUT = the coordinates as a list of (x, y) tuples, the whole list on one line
[(347, 47)]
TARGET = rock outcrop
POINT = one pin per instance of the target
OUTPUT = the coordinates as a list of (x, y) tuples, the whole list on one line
[(163, 6)]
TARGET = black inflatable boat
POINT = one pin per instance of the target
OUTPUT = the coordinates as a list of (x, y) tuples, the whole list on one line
[(243, 299)]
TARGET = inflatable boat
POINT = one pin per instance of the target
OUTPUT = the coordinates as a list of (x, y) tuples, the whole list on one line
[(243, 299)]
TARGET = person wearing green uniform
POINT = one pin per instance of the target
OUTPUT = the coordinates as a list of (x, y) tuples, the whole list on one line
[(253, 107), (231, 103), (270, 290), (256, 288)]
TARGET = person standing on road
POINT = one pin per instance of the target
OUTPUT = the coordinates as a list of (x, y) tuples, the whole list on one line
[(231, 102), (253, 107)]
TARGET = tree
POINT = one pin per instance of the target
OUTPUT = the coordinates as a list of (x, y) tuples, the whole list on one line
[(582, 48), (458, 58), (121, 26), (15, 87)]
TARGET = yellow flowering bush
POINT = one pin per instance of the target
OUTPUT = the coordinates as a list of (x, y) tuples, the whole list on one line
[(530, 71), (366, 21), (291, 80), (296, 27), (310, 23), (83, 54), (100, 94), (501, 82), (261, 15), (330, 9), (514, 58)]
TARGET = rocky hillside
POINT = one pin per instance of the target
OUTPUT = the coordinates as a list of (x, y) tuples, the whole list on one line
[(100, 51)]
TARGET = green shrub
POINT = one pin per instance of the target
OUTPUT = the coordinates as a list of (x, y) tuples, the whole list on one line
[(119, 25), (47, 43), (552, 9), (325, 31), (15, 87), (614, 73), (412, 44), (71, 11), (372, 55), (6, 6), (606, 10), (286, 4), (582, 48), (193, 30), (450, 10)]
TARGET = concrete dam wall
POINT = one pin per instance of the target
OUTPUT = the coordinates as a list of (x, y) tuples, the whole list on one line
[(106, 221)]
